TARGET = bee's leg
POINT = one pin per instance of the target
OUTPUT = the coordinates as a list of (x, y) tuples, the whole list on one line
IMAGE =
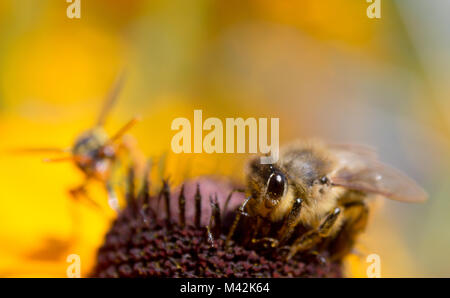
[(80, 193), (259, 231), (75, 219), (241, 211), (285, 232), (310, 238), (291, 221), (227, 201), (266, 242), (319, 257), (354, 222), (210, 236), (113, 200), (215, 224)]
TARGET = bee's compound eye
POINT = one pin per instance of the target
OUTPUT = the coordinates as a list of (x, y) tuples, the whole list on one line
[(324, 180), (276, 185)]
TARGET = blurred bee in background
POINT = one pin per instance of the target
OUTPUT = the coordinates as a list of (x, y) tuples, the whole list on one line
[(317, 195), (94, 152)]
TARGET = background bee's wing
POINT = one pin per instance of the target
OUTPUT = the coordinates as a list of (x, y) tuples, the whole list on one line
[(111, 98), (361, 171)]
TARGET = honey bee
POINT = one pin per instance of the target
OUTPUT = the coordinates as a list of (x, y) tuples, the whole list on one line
[(94, 152), (317, 194)]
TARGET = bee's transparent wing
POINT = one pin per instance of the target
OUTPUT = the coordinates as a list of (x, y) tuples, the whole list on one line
[(361, 171), (111, 98), (350, 150)]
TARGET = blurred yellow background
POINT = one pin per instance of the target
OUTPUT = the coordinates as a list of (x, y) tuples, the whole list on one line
[(322, 66)]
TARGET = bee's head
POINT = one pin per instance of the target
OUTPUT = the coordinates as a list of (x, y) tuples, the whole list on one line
[(92, 152), (267, 183)]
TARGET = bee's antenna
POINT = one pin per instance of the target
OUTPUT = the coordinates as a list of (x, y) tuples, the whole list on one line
[(124, 129), (111, 98), (38, 150), (76, 158)]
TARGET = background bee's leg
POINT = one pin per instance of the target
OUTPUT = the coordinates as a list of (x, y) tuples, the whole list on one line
[(113, 200), (355, 220), (291, 221), (80, 193), (310, 238)]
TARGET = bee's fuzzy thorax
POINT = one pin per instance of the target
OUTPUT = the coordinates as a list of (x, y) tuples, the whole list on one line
[(312, 160)]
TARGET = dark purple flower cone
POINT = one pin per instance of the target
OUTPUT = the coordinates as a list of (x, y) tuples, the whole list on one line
[(192, 241)]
